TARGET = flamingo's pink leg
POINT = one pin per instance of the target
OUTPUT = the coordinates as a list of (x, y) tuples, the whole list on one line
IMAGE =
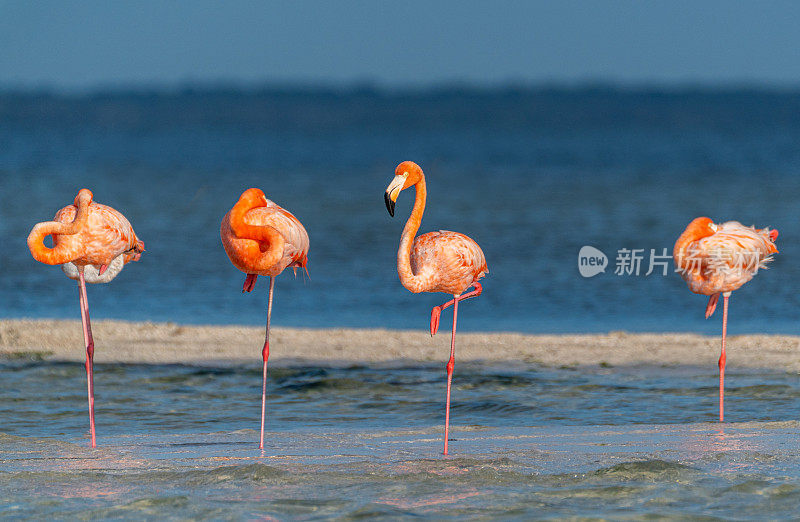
[(722, 358), (89, 341), (436, 312), (712, 305), (249, 283), (450, 365), (265, 356)]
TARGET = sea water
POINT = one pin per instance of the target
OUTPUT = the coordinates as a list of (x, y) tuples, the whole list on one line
[(178, 442), (532, 175)]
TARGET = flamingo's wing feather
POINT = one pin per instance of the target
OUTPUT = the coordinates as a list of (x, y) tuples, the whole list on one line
[(295, 252), (450, 261), (728, 259)]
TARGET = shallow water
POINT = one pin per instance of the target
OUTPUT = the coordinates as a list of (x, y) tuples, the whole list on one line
[(181, 441)]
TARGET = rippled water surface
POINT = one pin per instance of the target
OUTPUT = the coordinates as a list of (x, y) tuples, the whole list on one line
[(181, 441)]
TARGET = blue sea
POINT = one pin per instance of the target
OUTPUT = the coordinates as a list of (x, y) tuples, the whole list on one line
[(533, 175)]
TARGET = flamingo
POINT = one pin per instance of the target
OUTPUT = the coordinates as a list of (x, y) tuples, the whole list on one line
[(440, 261), (717, 259), (92, 243), (261, 238)]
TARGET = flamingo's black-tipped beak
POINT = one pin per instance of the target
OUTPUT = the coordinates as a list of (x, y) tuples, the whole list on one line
[(389, 203), (393, 190)]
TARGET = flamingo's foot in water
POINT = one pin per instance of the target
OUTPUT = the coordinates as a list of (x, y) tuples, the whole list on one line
[(712, 305), (249, 283)]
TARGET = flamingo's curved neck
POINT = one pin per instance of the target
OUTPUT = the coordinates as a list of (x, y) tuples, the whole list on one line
[(690, 235), (63, 252), (411, 281), (262, 256)]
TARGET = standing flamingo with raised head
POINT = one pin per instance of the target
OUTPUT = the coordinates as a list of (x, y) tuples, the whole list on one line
[(92, 243), (440, 261), (717, 259), (261, 238)]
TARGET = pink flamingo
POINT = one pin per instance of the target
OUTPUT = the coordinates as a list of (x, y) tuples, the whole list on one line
[(92, 243), (717, 259), (262, 238), (440, 261)]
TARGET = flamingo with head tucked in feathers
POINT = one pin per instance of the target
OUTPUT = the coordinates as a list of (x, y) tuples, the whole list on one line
[(261, 238), (717, 259), (440, 261), (92, 243)]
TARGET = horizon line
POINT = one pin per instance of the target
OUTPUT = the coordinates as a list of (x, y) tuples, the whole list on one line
[(378, 88)]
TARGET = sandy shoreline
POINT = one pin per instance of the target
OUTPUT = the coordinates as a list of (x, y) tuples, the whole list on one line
[(120, 341)]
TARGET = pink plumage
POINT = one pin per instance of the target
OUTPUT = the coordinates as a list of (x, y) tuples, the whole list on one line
[(263, 239), (295, 249), (727, 259), (447, 261), (440, 261), (717, 259), (91, 242)]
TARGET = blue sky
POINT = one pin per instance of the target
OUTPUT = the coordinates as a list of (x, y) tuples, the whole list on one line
[(90, 44)]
